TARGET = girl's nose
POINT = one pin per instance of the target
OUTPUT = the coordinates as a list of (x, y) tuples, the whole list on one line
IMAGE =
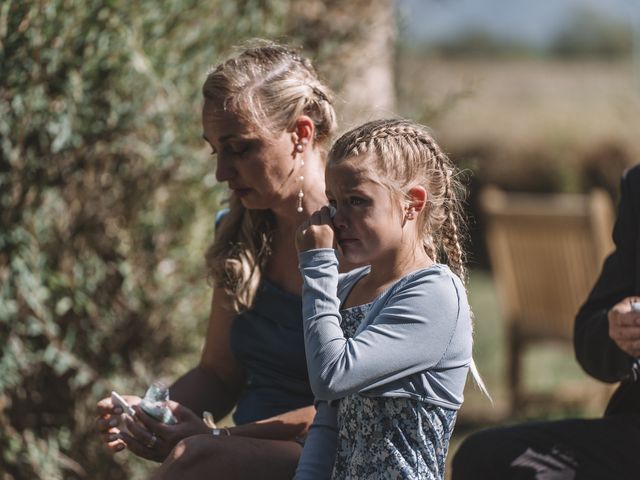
[(339, 219)]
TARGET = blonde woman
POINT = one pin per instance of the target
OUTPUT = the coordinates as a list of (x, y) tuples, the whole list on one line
[(267, 119)]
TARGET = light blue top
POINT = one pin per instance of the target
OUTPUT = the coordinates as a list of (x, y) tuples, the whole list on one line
[(414, 342)]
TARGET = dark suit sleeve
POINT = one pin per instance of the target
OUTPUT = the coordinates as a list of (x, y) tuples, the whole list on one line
[(595, 351)]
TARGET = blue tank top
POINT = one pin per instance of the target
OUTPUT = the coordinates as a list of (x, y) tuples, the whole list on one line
[(268, 341)]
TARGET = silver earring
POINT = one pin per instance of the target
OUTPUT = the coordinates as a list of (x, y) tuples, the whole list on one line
[(410, 214), (301, 180), (299, 148)]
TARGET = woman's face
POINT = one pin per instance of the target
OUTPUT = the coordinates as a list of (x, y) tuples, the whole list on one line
[(260, 168)]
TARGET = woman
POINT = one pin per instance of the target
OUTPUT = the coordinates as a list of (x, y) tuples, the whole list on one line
[(267, 118)]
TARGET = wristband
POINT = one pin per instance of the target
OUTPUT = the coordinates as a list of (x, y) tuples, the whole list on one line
[(216, 432)]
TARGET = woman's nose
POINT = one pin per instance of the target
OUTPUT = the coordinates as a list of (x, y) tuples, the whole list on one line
[(224, 169)]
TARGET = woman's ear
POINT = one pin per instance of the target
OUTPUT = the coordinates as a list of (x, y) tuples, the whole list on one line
[(417, 199), (303, 130)]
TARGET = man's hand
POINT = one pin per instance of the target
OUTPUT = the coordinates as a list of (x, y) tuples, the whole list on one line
[(624, 326)]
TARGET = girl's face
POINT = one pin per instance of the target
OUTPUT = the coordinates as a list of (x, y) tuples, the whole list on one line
[(259, 168), (369, 219)]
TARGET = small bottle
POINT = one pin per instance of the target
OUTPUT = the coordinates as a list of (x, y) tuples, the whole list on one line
[(156, 403)]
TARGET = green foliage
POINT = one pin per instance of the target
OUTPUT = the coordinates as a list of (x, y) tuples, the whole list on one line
[(106, 205)]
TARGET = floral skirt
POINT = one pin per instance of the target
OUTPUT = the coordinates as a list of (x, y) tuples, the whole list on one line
[(391, 438)]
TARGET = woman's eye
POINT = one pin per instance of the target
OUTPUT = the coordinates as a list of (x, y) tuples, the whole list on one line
[(237, 149), (356, 201)]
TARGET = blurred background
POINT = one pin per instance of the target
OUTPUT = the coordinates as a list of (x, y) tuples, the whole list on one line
[(107, 192)]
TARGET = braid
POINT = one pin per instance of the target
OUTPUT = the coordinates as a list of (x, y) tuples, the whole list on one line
[(450, 237)]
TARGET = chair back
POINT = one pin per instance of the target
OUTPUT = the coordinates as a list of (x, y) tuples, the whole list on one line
[(546, 251)]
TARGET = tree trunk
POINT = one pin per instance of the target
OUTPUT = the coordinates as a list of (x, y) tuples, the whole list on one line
[(353, 45)]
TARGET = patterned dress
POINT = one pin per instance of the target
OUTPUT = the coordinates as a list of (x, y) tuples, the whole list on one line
[(389, 437)]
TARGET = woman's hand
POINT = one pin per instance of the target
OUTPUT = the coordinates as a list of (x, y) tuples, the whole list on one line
[(109, 420), (316, 232), (154, 440), (624, 326)]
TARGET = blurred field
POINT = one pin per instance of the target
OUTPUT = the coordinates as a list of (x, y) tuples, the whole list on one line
[(505, 118)]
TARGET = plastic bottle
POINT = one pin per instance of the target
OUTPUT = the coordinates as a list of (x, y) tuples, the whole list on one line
[(156, 403)]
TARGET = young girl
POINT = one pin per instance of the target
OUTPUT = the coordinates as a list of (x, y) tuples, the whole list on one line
[(392, 340)]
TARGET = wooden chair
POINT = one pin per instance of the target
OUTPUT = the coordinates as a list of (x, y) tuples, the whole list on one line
[(546, 252)]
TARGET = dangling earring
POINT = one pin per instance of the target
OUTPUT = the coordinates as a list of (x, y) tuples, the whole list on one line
[(299, 149)]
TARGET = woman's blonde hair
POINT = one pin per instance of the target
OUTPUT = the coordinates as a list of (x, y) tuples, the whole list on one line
[(404, 154), (269, 86)]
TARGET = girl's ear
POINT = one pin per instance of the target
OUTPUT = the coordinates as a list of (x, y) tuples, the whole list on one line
[(303, 130), (417, 199)]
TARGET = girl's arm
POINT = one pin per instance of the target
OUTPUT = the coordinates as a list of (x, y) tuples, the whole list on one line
[(319, 453), (425, 318)]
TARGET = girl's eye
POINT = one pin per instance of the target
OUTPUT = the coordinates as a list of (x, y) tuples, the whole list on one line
[(356, 201)]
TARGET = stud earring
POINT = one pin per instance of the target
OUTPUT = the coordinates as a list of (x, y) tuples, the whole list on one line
[(299, 148)]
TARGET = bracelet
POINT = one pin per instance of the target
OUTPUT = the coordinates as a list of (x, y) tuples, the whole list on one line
[(216, 432)]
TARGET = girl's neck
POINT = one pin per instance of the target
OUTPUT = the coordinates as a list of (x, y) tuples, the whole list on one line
[(385, 272)]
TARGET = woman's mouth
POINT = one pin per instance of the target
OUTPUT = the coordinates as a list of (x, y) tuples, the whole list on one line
[(240, 192)]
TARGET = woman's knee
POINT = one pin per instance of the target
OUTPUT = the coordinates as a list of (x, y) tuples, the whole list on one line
[(187, 458)]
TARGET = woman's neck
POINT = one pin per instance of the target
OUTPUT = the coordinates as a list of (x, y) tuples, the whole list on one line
[(286, 214)]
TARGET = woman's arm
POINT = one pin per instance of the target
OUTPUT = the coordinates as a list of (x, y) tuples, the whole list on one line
[(287, 426), (216, 383)]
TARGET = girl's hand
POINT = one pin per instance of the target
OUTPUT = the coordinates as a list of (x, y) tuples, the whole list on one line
[(316, 232), (154, 440)]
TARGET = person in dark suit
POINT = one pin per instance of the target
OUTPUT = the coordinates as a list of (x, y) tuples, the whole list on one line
[(607, 346)]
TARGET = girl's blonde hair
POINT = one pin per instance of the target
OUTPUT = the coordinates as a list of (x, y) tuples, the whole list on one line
[(269, 86), (404, 154)]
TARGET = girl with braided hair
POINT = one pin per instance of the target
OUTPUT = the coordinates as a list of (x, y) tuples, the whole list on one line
[(388, 345)]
